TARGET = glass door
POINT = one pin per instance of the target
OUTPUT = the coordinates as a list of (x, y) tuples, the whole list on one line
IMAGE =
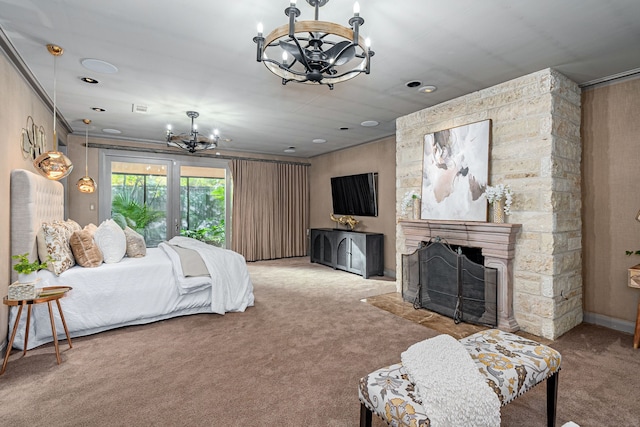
[(138, 196), (161, 198), (203, 206)]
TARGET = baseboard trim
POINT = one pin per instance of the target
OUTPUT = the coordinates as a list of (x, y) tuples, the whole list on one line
[(609, 322)]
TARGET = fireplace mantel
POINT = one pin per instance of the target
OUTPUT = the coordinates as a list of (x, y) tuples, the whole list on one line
[(497, 241)]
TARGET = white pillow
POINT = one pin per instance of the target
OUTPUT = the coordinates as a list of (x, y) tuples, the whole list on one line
[(111, 240)]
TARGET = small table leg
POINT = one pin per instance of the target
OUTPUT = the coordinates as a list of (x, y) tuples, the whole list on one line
[(636, 335), (26, 331), (55, 335), (13, 336), (64, 323)]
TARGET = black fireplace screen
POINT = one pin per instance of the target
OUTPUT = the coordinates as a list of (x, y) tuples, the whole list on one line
[(444, 280)]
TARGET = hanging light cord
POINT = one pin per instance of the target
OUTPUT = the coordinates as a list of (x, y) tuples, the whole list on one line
[(55, 135), (86, 151)]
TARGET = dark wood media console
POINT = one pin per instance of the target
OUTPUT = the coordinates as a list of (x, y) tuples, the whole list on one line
[(352, 251)]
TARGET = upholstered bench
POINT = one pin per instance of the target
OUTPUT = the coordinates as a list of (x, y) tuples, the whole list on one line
[(511, 364)]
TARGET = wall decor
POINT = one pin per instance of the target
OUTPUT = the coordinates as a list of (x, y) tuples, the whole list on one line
[(455, 171), (32, 140)]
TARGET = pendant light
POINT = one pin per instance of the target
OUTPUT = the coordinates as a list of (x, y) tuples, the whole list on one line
[(86, 184), (53, 164)]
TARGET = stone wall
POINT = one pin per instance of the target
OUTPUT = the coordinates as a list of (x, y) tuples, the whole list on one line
[(535, 148)]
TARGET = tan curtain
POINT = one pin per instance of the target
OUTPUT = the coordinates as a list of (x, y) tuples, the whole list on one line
[(270, 209)]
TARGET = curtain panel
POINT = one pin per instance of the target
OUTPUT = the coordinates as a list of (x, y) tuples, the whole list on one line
[(270, 209)]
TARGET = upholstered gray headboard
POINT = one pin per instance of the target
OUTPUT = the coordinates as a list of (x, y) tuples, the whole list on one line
[(34, 200)]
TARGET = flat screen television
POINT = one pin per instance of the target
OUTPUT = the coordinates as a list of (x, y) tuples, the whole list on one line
[(355, 194)]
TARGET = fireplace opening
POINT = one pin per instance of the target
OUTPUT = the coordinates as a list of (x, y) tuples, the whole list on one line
[(451, 281)]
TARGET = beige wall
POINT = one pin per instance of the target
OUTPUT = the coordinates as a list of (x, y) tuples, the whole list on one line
[(378, 156), (611, 195), (17, 102)]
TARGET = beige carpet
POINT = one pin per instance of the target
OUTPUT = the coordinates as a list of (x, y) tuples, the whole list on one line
[(292, 360)]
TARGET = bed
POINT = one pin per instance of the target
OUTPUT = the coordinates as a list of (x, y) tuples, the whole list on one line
[(133, 291)]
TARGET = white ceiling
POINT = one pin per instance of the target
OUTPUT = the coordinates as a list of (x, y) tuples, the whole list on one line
[(173, 56)]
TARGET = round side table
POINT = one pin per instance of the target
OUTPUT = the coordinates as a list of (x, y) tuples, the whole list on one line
[(47, 294)]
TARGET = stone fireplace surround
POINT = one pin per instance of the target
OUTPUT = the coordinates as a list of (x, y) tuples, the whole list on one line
[(535, 147), (497, 241)]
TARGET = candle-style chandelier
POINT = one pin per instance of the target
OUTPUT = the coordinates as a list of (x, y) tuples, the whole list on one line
[(192, 141), (315, 52)]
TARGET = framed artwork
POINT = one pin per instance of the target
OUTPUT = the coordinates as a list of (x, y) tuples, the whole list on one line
[(455, 171)]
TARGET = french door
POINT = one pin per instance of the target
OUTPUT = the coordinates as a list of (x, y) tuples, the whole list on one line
[(162, 197)]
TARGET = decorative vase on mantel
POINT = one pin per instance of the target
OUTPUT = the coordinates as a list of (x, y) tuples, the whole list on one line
[(498, 211), (417, 212)]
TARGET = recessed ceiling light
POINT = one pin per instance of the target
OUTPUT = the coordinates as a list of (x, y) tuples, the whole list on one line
[(98, 109), (227, 140), (427, 89), (99, 66), (319, 141), (413, 83), (369, 123), (290, 150), (89, 80), (113, 131)]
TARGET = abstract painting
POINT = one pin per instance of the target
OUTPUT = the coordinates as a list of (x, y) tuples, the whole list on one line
[(455, 173)]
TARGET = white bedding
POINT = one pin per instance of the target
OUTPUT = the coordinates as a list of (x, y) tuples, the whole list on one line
[(231, 286), (133, 291)]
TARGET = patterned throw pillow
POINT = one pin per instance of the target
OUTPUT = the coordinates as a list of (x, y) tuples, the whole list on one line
[(91, 228), (85, 250), (136, 246), (53, 241), (111, 240)]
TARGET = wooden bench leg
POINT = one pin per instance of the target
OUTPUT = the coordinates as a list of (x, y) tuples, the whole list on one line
[(365, 416), (552, 399)]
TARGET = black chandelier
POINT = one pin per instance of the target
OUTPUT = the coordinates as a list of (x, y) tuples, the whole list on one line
[(320, 51), (192, 141)]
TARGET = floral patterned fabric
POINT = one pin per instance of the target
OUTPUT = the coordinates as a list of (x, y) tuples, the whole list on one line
[(512, 365), (388, 393), (53, 241)]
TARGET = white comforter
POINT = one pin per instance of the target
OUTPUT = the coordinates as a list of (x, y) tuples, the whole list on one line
[(132, 292), (231, 287)]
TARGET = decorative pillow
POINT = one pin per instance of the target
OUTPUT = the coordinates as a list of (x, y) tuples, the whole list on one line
[(136, 247), (85, 250), (91, 228), (111, 240), (53, 245)]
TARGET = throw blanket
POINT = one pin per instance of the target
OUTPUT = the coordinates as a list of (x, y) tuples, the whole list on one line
[(452, 389), (231, 287)]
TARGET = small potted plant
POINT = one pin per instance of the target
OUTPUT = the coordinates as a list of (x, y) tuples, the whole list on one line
[(27, 270)]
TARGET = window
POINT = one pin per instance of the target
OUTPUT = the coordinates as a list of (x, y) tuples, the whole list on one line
[(203, 204), (161, 198)]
